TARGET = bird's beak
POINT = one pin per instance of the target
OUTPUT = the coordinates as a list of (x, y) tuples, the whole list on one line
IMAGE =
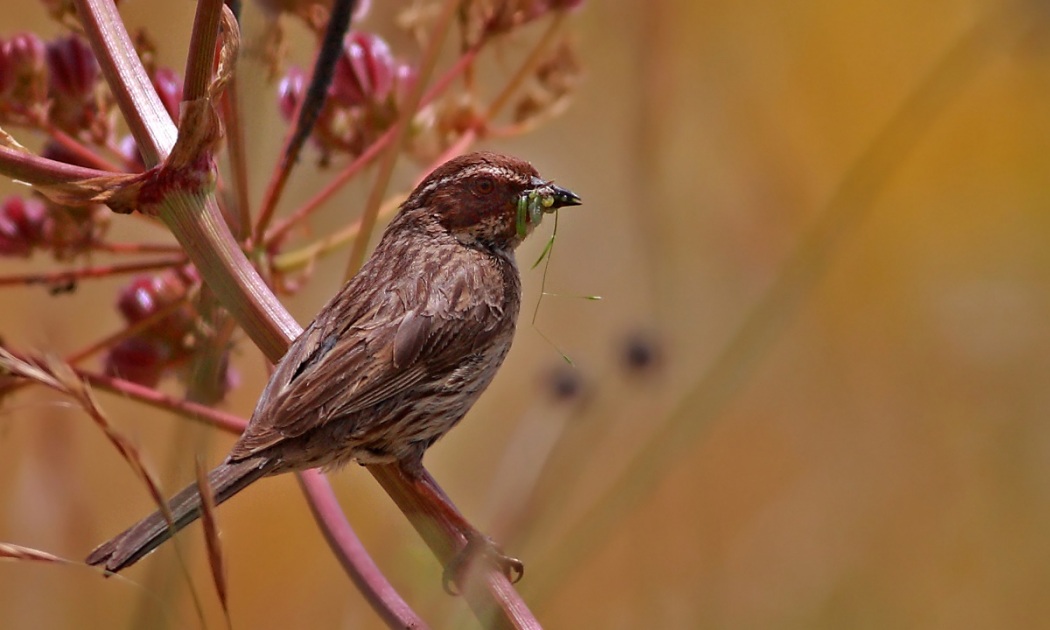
[(543, 198), (555, 196), (564, 197)]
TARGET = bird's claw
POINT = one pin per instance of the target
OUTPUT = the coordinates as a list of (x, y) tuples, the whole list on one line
[(512, 568)]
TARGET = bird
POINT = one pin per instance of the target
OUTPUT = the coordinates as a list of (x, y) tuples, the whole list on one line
[(401, 352)]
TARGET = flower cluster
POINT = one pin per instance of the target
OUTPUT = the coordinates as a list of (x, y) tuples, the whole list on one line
[(168, 327), (363, 101), (31, 223), (53, 84), (23, 77), (56, 87)]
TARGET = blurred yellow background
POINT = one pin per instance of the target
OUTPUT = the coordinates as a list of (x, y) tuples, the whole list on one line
[(827, 220)]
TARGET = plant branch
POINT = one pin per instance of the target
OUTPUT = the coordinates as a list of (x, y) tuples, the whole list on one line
[(386, 167), (308, 110), (367, 156), (358, 565), (190, 212), (147, 395), (72, 275)]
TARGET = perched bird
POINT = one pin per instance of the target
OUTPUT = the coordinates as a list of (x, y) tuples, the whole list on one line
[(400, 354)]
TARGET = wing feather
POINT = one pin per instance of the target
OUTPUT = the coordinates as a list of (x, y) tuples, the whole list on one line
[(372, 347)]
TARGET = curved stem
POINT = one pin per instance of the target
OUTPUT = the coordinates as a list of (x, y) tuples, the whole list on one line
[(193, 216), (143, 111), (358, 565)]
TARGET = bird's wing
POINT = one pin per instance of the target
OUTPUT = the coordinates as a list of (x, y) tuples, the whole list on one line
[(369, 346)]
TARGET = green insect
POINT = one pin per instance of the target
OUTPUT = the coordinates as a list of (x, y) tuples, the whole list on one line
[(531, 208)]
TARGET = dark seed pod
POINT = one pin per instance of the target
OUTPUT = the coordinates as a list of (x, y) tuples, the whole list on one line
[(139, 359), (641, 352)]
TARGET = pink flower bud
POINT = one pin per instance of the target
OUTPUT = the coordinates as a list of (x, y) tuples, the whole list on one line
[(129, 150), (364, 73), (139, 359), (72, 69), (138, 300), (290, 91), (169, 88), (21, 65), (24, 224), (148, 294)]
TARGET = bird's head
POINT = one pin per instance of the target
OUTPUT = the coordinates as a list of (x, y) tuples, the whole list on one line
[(489, 199)]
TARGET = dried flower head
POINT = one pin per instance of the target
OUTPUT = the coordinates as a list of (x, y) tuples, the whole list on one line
[(484, 19), (554, 80)]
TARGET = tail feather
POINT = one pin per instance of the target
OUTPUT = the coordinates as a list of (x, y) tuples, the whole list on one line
[(226, 480)]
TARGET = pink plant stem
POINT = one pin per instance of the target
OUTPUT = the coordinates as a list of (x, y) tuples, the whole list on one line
[(135, 248), (67, 275), (192, 215), (40, 171), (76, 147), (488, 591), (194, 411), (238, 159), (363, 571)]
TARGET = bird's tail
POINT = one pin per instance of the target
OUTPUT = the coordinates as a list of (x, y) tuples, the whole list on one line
[(226, 480)]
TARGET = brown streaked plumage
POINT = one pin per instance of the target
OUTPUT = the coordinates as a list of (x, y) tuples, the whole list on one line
[(398, 356)]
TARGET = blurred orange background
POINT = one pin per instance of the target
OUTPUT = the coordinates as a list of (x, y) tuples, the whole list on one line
[(828, 223)]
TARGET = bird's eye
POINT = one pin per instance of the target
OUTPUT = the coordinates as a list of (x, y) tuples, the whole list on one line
[(484, 185)]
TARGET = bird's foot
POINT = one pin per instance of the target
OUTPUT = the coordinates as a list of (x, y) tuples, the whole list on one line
[(477, 547)]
